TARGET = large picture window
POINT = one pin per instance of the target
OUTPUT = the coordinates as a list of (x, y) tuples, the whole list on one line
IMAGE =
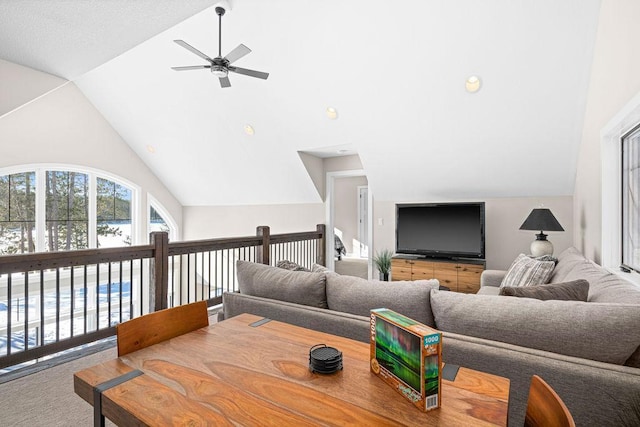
[(67, 215), (17, 213), (114, 214), (631, 199), (46, 209)]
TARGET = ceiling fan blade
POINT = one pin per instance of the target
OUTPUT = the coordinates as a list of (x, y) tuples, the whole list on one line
[(224, 82), (237, 53), (187, 46), (191, 67), (252, 73)]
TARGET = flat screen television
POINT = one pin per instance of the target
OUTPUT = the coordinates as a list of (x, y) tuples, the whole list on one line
[(441, 230)]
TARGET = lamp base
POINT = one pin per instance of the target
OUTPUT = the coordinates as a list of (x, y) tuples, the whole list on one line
[(541, 246)]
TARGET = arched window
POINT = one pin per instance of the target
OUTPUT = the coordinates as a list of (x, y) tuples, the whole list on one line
[(160, 220), (114, 223), (59, 208), (17, 213)]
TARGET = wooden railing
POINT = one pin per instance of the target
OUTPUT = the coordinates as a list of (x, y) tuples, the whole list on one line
[(55, 301)]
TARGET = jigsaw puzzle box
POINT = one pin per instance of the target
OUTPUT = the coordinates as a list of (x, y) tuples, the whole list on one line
[(407, 355)]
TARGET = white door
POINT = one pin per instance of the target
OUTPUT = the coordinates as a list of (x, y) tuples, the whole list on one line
[(363, 225)]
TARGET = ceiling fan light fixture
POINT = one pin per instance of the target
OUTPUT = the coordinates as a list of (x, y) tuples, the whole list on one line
[(472, 84), (219, 70)]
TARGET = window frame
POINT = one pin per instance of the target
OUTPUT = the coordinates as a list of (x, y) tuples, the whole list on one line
[(168, 219), (138, 215), (625, 259), (626, 119)]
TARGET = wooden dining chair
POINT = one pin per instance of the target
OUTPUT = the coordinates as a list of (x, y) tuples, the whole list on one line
[(545, 408), (159, 326)]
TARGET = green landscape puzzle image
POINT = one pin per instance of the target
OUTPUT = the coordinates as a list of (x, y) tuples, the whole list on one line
[(431, 370), (399, 352), (396, 317)]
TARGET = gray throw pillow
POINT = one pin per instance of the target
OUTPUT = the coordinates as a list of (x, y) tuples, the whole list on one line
[(299, 287), (596, 331), (359, 296), (290, 265), (577, 290), (317, 268), (634, 359), (527, 271)]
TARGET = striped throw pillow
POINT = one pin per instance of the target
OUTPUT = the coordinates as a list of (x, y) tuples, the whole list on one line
[(527, 271)]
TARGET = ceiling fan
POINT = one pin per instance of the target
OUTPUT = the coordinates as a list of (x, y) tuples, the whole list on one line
[(220, 66)]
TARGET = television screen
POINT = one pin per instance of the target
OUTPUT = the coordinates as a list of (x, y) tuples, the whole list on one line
[(441, 230)]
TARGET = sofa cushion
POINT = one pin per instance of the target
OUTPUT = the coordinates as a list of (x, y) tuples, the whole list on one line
[(604, 285), (596, 331), (299, 287), (567, 261), (634, 359), (577, 290), (527, 271), (359, 296), (319, 319), (290, 265), (489, 290)]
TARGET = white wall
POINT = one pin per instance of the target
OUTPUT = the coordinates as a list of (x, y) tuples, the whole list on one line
[(345, 192), (19, 85), (63, 127), (342, 163), (615, 79), (504, 240), (207, 222)]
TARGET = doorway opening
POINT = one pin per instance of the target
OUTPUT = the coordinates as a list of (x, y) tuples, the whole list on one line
[(349, 221)]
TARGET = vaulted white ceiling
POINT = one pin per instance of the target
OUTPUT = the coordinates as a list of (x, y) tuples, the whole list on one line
[(395, 72)]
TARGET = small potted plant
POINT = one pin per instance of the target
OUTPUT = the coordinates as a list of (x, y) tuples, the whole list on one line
[(382, 260)]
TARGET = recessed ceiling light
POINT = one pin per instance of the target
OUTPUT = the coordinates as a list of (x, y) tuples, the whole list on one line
[(472, 84), (151, 149), (332, 113), (248, 129)]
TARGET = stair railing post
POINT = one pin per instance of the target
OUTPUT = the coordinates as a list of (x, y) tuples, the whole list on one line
[(321, 247), (262, 252), (159, 271)]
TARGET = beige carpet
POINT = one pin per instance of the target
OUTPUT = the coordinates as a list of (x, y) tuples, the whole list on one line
[(352, 267), (46, 398)]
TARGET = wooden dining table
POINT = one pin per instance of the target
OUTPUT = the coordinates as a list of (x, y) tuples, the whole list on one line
[(248, 370)]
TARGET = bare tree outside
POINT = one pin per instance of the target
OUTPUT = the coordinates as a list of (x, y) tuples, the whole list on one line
[(17, 213), (66, 212)]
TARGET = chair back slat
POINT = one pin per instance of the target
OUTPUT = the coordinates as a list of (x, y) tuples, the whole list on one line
[(545, 408), (159, 326)]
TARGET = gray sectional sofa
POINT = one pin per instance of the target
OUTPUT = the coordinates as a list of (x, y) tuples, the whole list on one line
[(588, 351)]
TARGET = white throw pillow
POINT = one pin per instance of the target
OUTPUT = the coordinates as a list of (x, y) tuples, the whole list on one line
[(527, 271)]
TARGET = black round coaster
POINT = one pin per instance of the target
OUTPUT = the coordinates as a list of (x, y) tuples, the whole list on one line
[(324, 360)]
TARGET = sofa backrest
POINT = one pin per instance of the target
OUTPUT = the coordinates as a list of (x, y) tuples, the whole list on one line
[(300, 287), (567, 260), (604, 286), (358, 296), (597, 331)]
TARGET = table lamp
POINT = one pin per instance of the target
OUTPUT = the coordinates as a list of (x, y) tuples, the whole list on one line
[(541, 219)]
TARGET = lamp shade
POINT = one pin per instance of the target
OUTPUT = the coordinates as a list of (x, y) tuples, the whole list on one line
[(541, 219)]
